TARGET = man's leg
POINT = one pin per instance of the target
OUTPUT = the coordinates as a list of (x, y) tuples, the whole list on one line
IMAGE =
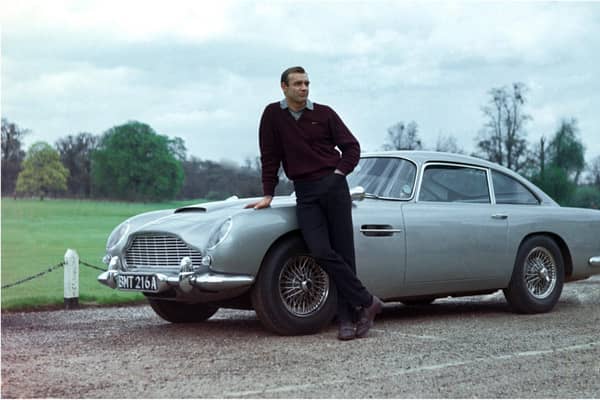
[(313, 222), (341, 236)]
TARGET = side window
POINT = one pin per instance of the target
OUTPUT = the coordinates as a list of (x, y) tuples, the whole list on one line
[(449, 183), (510, 191)]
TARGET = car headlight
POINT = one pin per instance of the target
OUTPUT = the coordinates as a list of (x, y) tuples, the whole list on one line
[(219, 234), (117, 234)]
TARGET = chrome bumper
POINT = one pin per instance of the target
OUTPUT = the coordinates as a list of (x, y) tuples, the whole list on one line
[(594, 261), (186, 281)]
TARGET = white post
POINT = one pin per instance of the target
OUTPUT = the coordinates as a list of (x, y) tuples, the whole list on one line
[(71, 279)]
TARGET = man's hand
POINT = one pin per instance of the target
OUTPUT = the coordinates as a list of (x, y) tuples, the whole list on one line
[(263, 203)]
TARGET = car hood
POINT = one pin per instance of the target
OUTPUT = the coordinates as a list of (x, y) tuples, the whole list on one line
[(195, 223)]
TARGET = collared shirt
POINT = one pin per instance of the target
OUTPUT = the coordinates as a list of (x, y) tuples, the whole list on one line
[(296, 114)]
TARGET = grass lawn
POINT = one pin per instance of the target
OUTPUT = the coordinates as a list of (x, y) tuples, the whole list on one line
[(36, 235)]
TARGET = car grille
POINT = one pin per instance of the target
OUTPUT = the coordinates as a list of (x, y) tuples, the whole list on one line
[(159, 251)]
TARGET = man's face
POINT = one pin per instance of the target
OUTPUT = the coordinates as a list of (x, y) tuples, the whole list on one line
[(297, 88)]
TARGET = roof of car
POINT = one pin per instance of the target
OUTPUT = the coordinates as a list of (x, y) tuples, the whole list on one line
[(421, 156)]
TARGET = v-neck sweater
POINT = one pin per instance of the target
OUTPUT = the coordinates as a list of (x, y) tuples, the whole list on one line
[(307, 148)]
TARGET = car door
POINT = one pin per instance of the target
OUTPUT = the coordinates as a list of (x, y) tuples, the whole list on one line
[(380, 246), (388, 182), (454, 233)]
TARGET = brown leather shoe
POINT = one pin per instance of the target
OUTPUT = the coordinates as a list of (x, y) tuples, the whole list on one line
[(367, 316), (346, 331)]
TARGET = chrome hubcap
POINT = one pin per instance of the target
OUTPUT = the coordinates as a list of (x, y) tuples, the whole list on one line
[(540, 272), (303, 286)]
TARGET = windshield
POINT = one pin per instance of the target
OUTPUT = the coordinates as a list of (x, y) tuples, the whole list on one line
[(388, 177)]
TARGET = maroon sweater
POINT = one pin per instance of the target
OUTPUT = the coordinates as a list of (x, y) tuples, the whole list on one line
[(307, 147)]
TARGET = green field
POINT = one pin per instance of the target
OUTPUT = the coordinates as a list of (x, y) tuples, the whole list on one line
[(36, 235)]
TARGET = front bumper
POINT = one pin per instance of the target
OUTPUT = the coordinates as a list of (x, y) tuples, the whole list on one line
[(594, 261), (185, 281)]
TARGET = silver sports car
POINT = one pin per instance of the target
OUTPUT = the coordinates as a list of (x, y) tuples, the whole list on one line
[(426, 225)]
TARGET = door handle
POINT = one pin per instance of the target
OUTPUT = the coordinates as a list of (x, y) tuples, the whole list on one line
[(378, 230), (500, 216)]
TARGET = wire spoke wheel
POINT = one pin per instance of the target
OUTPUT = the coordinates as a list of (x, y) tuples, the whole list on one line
[(540, 272), (303, 286)]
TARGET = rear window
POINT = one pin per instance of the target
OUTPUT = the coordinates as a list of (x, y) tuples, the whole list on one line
[(508, 190)]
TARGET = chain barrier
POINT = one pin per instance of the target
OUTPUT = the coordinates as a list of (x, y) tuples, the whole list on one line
[(20, 281), (91, 266), (55, 267)]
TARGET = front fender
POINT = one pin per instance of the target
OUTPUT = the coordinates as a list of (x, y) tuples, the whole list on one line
[(252, 234)]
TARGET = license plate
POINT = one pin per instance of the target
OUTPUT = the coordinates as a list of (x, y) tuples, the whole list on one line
[(142, 283)]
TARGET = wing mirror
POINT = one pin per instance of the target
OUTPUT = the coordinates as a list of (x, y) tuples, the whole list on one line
[(357, 193)]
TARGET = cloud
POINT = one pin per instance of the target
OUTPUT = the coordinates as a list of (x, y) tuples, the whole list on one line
[(205, 70)]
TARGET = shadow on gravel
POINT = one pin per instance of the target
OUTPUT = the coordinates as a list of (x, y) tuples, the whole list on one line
[(444, 309)]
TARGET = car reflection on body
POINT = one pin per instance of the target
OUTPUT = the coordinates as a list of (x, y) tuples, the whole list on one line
[(426, 225)]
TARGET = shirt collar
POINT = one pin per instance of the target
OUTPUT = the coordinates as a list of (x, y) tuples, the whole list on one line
[(283, 104)]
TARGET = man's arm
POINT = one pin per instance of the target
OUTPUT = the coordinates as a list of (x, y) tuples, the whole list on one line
[(270, 157), (347, 143)]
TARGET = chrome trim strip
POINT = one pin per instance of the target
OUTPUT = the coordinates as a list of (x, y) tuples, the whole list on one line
[(594, 261)]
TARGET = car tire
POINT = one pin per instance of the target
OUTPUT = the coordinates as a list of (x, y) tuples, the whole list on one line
[(177, 312), (293, 295), (538, 276), (418, 302)]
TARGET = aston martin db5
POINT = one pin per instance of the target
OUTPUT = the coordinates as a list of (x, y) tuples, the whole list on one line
[(427, 225)]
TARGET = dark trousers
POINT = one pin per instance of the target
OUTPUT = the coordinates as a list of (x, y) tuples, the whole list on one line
[(324, 210)]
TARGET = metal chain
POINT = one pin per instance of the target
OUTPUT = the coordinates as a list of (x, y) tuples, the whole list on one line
[(59, 265), (91, 266)]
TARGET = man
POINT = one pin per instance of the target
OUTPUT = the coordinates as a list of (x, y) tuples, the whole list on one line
[(302, 136)]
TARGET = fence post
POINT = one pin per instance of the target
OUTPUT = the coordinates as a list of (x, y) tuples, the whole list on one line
[(71, 279)]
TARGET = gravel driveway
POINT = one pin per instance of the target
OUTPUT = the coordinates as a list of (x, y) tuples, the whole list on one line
[(469, 347)]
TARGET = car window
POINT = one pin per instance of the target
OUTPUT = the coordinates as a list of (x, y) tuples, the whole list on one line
[(385, 177), (449, 183), (510, 191)]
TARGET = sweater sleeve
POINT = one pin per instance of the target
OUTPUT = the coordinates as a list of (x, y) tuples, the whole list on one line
[(346, 142), (270, 153)]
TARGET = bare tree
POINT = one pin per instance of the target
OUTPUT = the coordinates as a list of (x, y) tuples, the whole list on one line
[(12, 155), (448, 144), (594, 169), (502, 139), (403, 137), (76, 155)]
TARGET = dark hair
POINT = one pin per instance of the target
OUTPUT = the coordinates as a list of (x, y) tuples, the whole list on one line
[(291, 70)]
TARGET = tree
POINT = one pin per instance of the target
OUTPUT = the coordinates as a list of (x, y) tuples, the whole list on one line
[(178, 149), (566, 150), (556, 183), (587, 197), (42, 173), (403, 137), (133, 162), (502, 139), (448, 144), (12, 155), (76, 155), (595, 171)]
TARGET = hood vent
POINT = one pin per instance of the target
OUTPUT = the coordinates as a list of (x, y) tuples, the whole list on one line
[(189, 209)]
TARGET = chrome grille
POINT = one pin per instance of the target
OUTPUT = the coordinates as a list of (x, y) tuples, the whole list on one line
[(159, 251)]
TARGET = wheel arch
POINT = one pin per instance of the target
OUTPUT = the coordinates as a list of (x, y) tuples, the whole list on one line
[(562, 245), (294, 233)]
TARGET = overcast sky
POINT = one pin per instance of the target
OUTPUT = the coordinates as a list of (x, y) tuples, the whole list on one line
[(204, 71)]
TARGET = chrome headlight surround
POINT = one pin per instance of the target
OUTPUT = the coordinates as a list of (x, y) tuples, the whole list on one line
[(219, 233), (117, 235)]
